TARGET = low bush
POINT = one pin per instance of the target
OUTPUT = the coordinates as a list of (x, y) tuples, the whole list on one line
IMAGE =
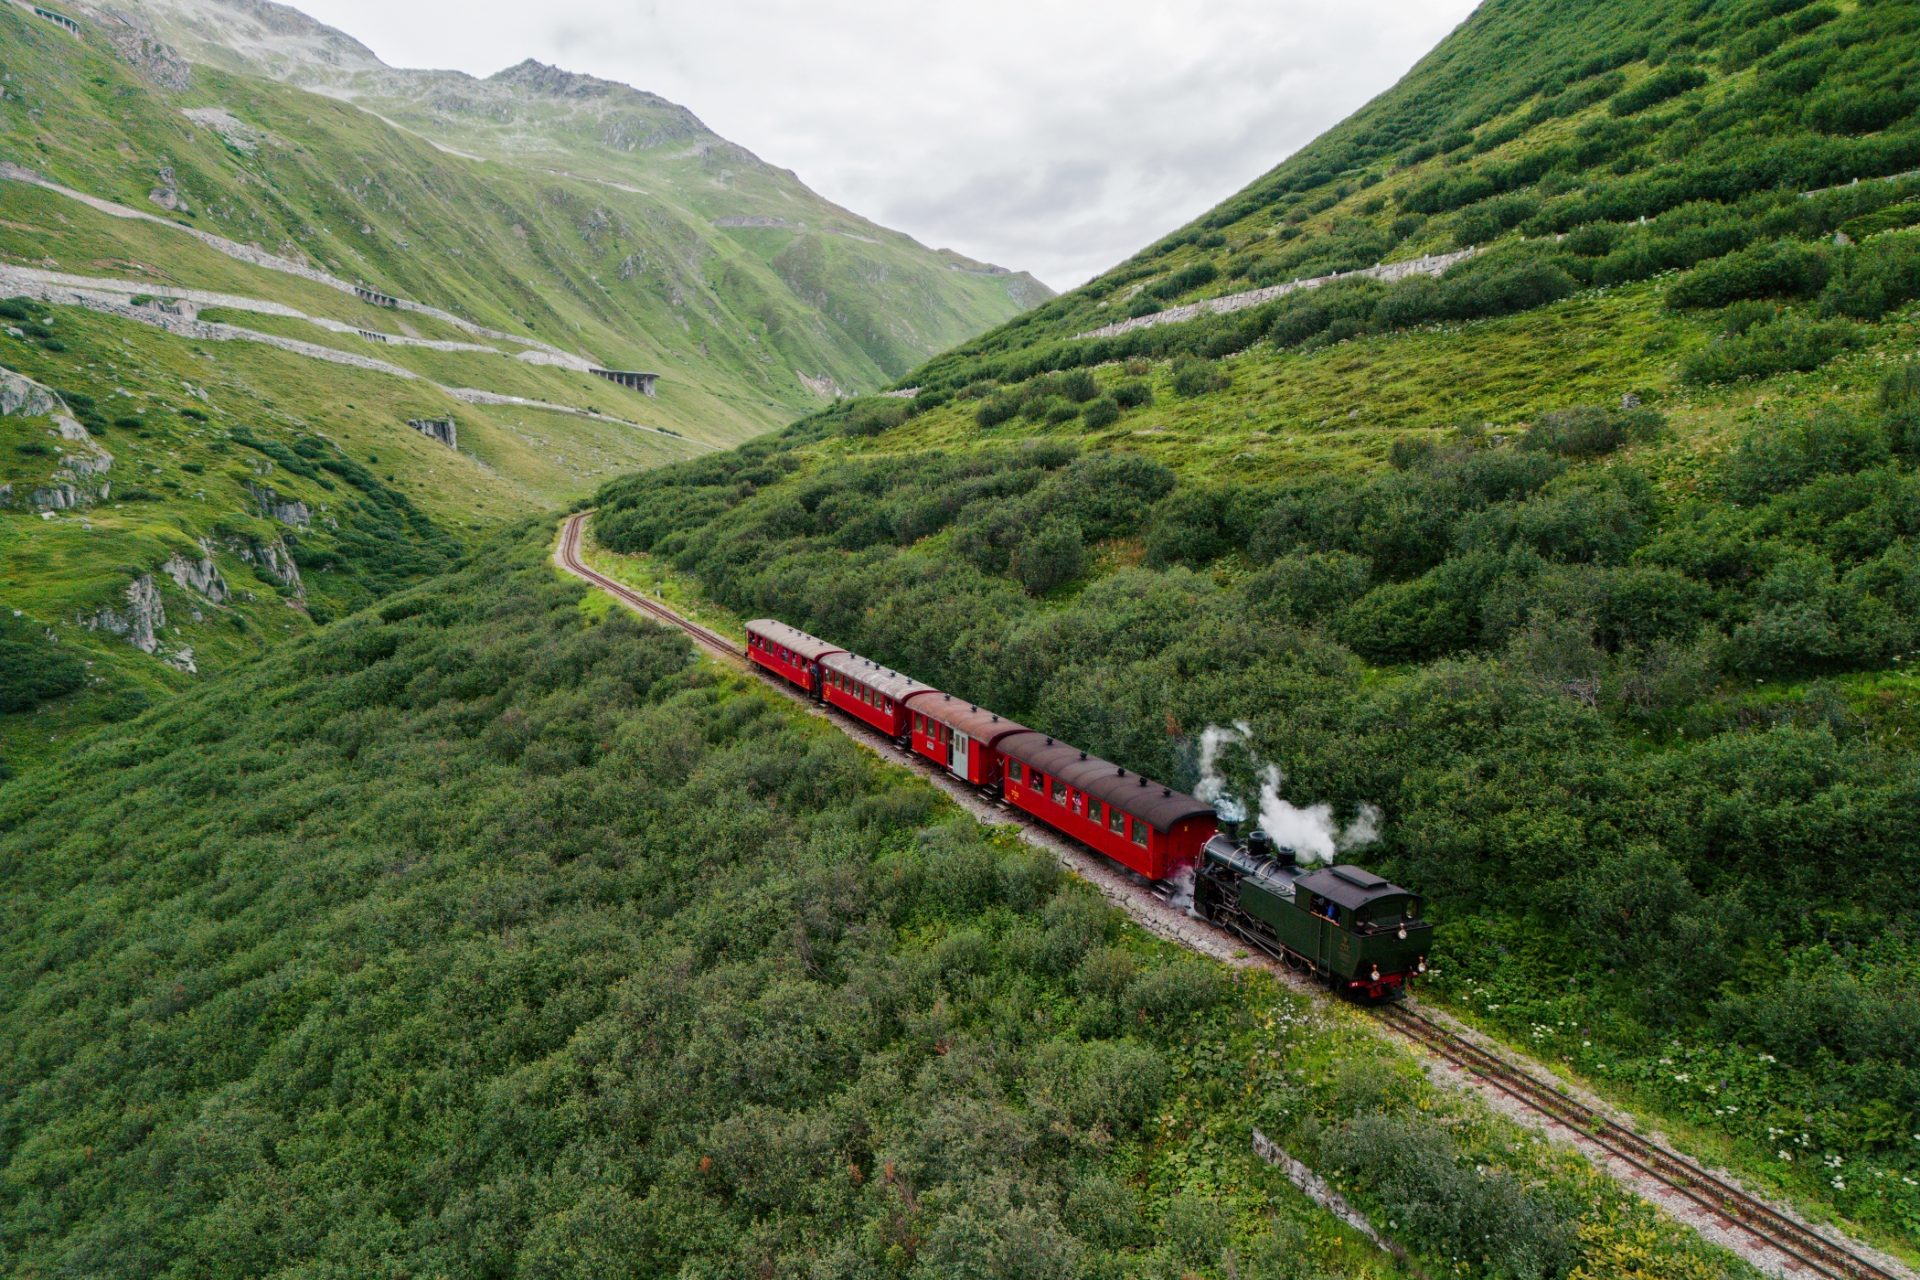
[(34, 670), (1787, 345), (1773, 269), (1101, 413), (1196, 377)]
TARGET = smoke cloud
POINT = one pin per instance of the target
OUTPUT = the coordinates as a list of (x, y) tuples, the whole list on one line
[(1310, 832)]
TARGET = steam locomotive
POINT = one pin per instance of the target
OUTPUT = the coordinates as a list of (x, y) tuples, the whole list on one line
[(1347, 926)]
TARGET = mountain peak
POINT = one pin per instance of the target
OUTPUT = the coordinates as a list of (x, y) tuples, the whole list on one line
[(548, 81)]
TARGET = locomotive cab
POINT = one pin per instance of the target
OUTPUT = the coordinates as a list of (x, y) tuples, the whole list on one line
[(1355, 930)]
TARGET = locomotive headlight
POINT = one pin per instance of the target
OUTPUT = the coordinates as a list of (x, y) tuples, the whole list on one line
[(1376, 973), (1403, 933), (1423, 964)]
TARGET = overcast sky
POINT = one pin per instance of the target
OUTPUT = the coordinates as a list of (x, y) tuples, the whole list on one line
[(1054, 136)]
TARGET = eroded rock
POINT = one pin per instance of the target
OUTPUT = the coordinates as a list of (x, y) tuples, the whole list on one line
[(140, 621), (288, 511), (201, 575)]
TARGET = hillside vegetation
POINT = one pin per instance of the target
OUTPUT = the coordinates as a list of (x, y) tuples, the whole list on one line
[(486, 934), (204, 441), (1590, 562)]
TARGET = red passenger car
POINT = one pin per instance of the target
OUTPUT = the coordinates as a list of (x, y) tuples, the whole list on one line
[(1155, 830), (963, 738), (869, 692), (788, 652)]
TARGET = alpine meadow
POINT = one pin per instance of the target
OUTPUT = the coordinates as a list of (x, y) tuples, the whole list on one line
[(1515, 492)]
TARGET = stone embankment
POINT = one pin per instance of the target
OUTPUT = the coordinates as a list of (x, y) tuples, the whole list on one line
[(1388, 272), (116, 299), (255, 256)]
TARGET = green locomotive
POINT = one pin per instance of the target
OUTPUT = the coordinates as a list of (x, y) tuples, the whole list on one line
[(1354, 930)]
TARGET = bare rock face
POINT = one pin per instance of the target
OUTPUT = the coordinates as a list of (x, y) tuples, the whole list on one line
[(167, 194), (200, 575), (24, 398), (273, 559), (140, 621), (441, 429), (56, 497), (291, 512)]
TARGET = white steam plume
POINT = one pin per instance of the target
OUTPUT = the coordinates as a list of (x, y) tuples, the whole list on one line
[(1310, 832)]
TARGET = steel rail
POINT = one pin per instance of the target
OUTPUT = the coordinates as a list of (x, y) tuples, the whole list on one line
[(1775, 1230)]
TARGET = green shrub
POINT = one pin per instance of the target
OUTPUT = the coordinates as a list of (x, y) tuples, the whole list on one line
[(34, 670), (996, 410), (1899, 404), (1875, 278), (1077, 385), (1101, 413), (1588, 432), (1132, 395), (1195, 377), (1787, 345), (1485, 1218), (1850, 109), (1785, 453), (1052, 556), (1658, 88), (1773, 269), (872, 415)]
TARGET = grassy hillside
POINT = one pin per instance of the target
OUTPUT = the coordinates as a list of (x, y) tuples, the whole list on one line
[(247, 209), (487, 934), (1590, 562)]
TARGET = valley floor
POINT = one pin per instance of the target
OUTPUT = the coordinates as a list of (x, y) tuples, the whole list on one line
[(1765, 1248)]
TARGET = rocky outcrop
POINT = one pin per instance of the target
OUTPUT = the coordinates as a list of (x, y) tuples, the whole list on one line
[(201, 575), (57, 497), (441, 429), (233, 131), (140, 621), (823, 386), (22, 397), (167, 194), (288, 511), (274, 560)]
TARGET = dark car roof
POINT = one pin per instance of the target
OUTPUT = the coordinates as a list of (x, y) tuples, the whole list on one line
[(812, 648), (977, 723), (1349, 886), (874, 676), (1159, 806)]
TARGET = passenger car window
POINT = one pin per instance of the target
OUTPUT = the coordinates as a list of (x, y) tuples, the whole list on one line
[(1140, 833), (1059, 791), (1116, 820)]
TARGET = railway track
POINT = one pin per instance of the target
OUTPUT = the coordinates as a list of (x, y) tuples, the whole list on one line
[(1804, 1250), (570, 559), (1813, 1252)]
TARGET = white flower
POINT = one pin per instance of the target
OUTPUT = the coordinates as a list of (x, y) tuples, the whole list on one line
[(1785, 1154)]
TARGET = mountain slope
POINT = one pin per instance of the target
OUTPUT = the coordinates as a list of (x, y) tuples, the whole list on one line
[(183, 245), (1580, 540), (488, 935), (882, 291)]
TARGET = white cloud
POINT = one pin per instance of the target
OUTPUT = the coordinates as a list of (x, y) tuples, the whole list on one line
[(1056, 136)]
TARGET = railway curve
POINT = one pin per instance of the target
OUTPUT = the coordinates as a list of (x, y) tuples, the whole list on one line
[(1714, 1204)]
